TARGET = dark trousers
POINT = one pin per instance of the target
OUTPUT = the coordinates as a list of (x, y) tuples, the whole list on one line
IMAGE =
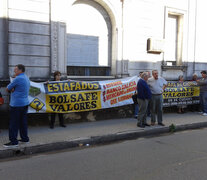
[(53, 118), (142, 115), (156, 104), (18, 121)]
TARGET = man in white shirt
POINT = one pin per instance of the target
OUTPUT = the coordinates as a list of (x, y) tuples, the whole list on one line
[(157, 85)]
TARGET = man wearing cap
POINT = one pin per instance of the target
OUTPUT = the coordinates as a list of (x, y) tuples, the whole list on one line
[(203, 92)]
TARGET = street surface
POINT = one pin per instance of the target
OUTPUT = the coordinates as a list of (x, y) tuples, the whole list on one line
[(179, 156)]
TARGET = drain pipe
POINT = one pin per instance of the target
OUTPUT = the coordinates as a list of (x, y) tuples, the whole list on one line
[(122, 37), (195, 36)]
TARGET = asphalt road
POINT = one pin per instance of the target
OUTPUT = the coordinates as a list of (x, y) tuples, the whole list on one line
[(178, 156)]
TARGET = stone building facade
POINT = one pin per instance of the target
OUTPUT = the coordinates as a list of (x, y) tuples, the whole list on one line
[(102, 38)]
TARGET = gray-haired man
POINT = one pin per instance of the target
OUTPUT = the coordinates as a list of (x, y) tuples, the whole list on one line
[(157, 86)]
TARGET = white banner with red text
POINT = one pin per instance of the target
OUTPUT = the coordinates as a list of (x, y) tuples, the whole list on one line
[(76, 96)]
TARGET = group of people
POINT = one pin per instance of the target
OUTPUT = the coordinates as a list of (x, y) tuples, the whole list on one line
[(149, 90), (202, 107), (150, 99), (203, 92)]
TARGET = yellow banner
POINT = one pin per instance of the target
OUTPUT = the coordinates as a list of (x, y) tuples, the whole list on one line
[(181, 92), (73, 102)]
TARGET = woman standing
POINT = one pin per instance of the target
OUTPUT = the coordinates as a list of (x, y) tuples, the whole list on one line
[(57, 77), (181, 107)]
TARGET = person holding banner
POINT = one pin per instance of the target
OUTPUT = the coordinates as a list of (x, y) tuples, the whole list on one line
[(57, 77), (19, 89), (143, 97), (181, 107), (203, 92), (194, 77), (157, 85), (194, 107), (136, 107)]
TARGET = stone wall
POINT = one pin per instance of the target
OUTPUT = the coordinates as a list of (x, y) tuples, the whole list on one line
[(29, 36)]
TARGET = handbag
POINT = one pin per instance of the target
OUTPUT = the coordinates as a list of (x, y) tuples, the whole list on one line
[(1, 99), (134, 98)]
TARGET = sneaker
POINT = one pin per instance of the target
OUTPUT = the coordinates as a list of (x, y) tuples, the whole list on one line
[(51, 126), (10, 145), (152, 123), (63, 125), (23, 142), (140, 125), (204, 114), (161, 124)]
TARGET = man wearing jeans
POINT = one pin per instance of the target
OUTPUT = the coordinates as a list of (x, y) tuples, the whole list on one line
[(203, 92), (19, 89), (157, 86)]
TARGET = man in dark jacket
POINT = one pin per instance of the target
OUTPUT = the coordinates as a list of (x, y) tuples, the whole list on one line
[(203, 92), (143, 97)]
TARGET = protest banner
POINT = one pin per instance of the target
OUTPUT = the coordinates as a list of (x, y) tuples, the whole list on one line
[(185, 93), (77, 96)]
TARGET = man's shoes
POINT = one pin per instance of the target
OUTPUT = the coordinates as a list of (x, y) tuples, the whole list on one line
[(146, 124), (23, 142), (51, 126), (161, 124), (204, 114), (63, 125), (10, 145), (141, 126), (152, 123)]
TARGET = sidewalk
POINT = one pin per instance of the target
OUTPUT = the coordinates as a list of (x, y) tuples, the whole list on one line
[(43, 139)]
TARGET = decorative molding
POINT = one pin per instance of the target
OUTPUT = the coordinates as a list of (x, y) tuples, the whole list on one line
[(54, 46)]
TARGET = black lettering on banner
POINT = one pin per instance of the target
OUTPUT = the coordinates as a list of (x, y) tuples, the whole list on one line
[(93, 104), (52, 99), (180, 93), (80, 98), (82, 106), (65, 99), (69, 86), (61, 108), (69, 107), (73, 98), (76, 106), (53, 107), (87, 105), (60, 99)]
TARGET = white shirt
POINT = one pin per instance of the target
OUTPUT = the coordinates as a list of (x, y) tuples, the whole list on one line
[(156, 85)]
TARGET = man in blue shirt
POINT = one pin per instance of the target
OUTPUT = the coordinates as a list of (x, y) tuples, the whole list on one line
[(143, 97), (19, 89)]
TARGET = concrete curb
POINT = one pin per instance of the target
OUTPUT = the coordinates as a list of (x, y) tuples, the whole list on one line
[(94, 140)]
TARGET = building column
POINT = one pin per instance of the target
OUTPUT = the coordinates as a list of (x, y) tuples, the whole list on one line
[(58, 47), (58, 36), (4, 68)]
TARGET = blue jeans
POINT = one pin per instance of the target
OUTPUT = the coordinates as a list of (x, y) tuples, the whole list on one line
[(156, 104), (18, 121), (203, 101), (136, 110)]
